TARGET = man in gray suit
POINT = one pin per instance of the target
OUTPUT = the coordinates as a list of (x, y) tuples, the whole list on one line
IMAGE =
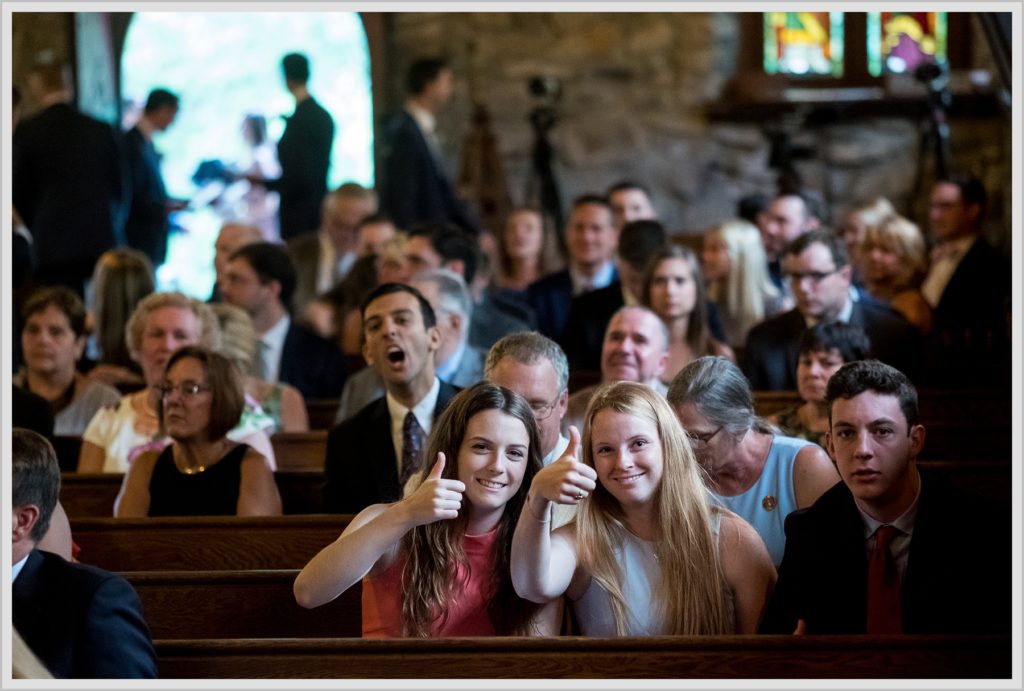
[(456, 361)]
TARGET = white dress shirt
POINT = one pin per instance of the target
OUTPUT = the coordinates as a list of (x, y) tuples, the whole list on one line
[(16, 569), (424, 412), (271, 346), (601, 279), (944, 265)]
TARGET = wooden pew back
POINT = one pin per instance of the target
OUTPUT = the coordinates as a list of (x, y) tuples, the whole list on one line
[(204, 543), (239, 604), (92, 495), (662, 657)]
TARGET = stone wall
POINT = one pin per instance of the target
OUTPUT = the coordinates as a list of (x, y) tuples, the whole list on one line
[(636, 89)]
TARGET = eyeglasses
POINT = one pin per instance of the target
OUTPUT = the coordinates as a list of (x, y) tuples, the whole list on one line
[(701, 438), (187, 389), (543, 411), (816, 277)]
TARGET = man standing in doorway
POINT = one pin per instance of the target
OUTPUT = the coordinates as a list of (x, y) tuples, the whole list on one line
[(304, 153), (414, 187)]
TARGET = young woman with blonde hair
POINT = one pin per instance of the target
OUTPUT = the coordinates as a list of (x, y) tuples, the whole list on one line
[(436, 563), (736, 271), (649, 553)]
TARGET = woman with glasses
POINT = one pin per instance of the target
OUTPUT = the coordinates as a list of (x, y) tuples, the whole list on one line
[(751, 468), (160, 324), (202, 473), (649, 553)]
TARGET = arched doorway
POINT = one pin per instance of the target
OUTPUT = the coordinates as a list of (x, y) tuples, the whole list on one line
[(224, 66)]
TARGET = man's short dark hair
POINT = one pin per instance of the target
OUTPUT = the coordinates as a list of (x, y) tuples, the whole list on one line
[(599, 200), (422, 72), (452, 243), (160, 98), (751, 206), (296, 68), (64, 299), (35, 477), (374, 218), (271, 263), (624, 185), (832, 242), (639, 241), (426, 311), (851, 341), (854, 378), (972, 191)]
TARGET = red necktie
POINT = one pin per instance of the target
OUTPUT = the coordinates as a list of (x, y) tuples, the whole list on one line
[(884, 614)]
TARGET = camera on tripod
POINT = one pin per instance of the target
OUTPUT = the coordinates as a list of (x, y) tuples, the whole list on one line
[(935, 77), (547, 90)]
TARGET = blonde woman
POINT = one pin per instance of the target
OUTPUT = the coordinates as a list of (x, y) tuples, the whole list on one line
[(279, 407), (121, 279), (854, 227), (649, 553), (736, 272), (527, 250), (436, 563), (893, 262)]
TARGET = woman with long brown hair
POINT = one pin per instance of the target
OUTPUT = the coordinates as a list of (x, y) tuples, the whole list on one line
[(436, 563)]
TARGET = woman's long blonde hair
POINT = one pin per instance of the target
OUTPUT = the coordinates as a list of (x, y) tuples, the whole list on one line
[(692, 593), (434, 551), (742, 295), (903, 238)]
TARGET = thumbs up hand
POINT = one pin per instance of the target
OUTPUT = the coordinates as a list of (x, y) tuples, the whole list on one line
[(567, 480), (436, 499)]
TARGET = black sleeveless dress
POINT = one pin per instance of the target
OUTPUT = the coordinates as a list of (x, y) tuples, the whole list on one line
[(213, 492)]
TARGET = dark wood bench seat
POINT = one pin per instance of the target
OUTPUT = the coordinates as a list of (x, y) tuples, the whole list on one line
[(204, 543), (239, 604), (710, 657)]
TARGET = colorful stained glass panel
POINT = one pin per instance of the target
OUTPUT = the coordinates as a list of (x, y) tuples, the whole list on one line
[(803, 43), (898, 42)]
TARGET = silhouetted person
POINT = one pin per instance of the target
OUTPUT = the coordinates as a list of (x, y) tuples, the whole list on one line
[(304, 153), (67, 185)]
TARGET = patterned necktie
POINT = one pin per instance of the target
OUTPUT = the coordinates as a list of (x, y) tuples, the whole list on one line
[(412, 443), (884, 614)]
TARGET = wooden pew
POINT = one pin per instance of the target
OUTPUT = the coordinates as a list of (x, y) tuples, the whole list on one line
[(663, 657), (300, 450), (321, 413), (92, 495), (239, 604), (204, 543)]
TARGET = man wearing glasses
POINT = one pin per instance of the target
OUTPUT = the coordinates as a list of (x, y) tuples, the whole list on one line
[(758, 474), (818, 270)]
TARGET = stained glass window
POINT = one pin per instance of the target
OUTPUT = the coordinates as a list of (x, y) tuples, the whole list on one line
[(803, 43), (900, 41)]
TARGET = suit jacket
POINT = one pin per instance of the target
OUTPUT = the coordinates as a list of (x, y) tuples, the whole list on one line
[(67, 180), (970, 322), (366, 386), (146, 227), (413, 187), (80, 621), (958, 569), (494, 318), (304, 152), (361, 468), (549, 298), (311, 364), (773, 346), (588, 319)]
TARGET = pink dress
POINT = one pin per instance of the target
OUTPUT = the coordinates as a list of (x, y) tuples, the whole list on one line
[(467, 613)]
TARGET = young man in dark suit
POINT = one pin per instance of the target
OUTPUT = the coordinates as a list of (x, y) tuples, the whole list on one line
[(372, 454), (818, 269), (80, 621), (260, 279), (414, 187), (889, 549), (968, 286)]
